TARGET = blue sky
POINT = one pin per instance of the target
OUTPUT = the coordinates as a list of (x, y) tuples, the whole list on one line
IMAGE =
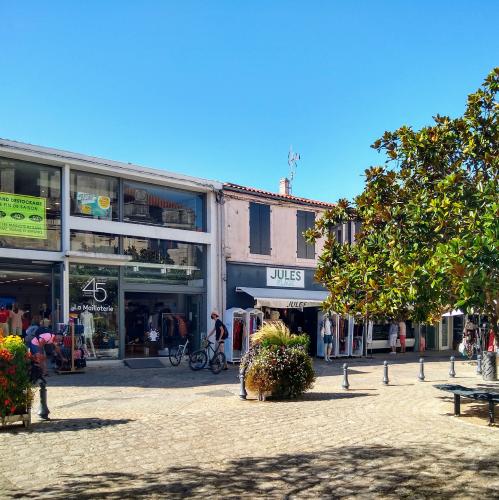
[(221, 89)]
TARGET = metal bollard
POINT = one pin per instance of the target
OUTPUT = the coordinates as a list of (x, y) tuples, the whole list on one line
[(421, 370), (345, 384), (479, 365), (452, 371), (385, 373), (242, 385), (43, 411)]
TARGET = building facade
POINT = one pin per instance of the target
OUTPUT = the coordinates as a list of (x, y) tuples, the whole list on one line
[(269, 266), (118, 248)]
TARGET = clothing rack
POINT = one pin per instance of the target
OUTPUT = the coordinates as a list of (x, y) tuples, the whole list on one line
[(72, 336)]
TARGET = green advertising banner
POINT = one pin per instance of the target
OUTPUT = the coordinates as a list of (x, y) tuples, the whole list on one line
[(23, 216)]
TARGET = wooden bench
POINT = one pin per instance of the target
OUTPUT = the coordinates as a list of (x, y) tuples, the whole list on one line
[(477, 394)]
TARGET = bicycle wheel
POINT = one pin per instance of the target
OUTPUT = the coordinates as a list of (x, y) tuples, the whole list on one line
[(198, 360), (175, 354), (217, 363)]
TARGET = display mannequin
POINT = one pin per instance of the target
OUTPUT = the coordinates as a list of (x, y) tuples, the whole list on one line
[(87, 319), (4, 320), (327, 335)]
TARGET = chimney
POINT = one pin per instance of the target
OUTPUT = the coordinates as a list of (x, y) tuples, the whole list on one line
[(284, 186)]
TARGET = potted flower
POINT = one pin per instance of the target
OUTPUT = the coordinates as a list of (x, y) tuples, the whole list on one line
[(278, 363), (16, 388)]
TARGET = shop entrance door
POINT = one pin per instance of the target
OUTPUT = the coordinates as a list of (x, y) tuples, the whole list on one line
[(445, 334), (156, 322)]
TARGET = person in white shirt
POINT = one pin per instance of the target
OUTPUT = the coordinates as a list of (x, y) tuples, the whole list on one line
[(393, 333), (327, 336)]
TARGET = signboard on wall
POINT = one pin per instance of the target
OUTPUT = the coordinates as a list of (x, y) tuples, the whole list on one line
[(285, 278), (96, 206), (23, 216)]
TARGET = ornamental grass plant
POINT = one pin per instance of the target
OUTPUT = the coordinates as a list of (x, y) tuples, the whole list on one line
[(278, 363), (16, 389)]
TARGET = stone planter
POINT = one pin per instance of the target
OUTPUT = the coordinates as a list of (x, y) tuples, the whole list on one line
[(25, 418)]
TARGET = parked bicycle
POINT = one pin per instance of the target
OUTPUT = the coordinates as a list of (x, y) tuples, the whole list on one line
[(176, 353), (198, 359)]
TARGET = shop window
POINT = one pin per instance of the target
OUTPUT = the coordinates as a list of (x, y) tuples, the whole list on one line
[(259, 228), (161, 206), (164, 261), (30, 205), (304, 221), (94, 196), (93, 299), (83, 241)]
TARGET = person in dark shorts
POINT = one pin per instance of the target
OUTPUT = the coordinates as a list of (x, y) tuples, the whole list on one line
[(220, 331)]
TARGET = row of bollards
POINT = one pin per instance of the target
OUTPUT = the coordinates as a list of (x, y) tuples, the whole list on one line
[(421, 376)]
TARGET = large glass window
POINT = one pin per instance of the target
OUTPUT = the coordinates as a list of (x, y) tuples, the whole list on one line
[(93, 299), (94, 196), (30, 205), (164, 261), (83, 241), (163, 206)]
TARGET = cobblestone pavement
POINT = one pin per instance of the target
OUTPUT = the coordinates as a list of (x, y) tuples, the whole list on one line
[(172, 433)]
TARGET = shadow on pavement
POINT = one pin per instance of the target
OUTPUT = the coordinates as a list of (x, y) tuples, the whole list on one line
[(75, 424), (370, 471)]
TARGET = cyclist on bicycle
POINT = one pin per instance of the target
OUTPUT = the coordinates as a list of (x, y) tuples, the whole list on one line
[(221, 333)]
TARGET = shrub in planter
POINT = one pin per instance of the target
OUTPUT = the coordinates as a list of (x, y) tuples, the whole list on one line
[(16, 389), (278, 363)]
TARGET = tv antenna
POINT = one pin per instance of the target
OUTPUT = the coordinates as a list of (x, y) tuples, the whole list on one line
[(293, 159)]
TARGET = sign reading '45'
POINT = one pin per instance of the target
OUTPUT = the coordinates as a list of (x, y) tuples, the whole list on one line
[(95, 289)]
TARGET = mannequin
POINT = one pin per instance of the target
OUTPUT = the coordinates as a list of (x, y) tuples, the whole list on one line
[(87, 319), (4, 320), (327, 335)]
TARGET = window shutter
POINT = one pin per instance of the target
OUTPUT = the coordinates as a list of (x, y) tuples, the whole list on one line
[(310, 246), (254, 223), (301, 221), (265, 229)]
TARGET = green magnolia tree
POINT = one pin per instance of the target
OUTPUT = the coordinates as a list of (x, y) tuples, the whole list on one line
[(429, 238)]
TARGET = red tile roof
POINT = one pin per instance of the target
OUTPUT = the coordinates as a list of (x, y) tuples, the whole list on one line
[(276, 196)]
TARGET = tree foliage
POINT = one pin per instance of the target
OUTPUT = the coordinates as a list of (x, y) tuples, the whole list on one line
[(429, 217)]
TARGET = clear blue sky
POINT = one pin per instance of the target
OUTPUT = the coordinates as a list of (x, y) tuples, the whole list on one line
[(220, 89)]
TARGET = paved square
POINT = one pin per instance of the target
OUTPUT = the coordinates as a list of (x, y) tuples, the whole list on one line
[(172, 433)]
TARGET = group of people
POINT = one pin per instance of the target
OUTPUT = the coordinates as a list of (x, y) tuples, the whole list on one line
[(398, 330)]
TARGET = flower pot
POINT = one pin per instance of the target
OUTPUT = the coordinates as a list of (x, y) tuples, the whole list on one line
[(24, 417)]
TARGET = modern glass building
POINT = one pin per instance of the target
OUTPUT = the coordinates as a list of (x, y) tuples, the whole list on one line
[(122, 249)]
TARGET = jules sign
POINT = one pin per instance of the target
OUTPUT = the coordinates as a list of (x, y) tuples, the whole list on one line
[(285, 278)]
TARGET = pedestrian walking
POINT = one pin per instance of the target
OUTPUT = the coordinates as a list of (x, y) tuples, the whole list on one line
[(393, 333)]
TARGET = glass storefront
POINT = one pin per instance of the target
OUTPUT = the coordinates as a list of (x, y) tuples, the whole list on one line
[(85, 241), (30, 205), (161, 206), (94, 196), (164, 261), (34, 290), (93, 300), (156, 322)]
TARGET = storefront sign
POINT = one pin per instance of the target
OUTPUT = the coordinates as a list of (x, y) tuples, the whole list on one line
[(286, 303), (285, 278), (23, 216), (96, 206)]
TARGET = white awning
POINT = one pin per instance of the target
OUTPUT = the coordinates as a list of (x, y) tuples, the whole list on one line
[(454, 312), (284, 298)]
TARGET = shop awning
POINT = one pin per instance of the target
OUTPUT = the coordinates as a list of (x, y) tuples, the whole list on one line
[(454, 312), (284, 298)]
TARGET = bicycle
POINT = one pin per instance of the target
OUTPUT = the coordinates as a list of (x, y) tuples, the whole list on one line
[(176, 353), (199, 358)]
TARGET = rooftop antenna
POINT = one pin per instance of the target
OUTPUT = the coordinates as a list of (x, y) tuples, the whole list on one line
[(293, 159)]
